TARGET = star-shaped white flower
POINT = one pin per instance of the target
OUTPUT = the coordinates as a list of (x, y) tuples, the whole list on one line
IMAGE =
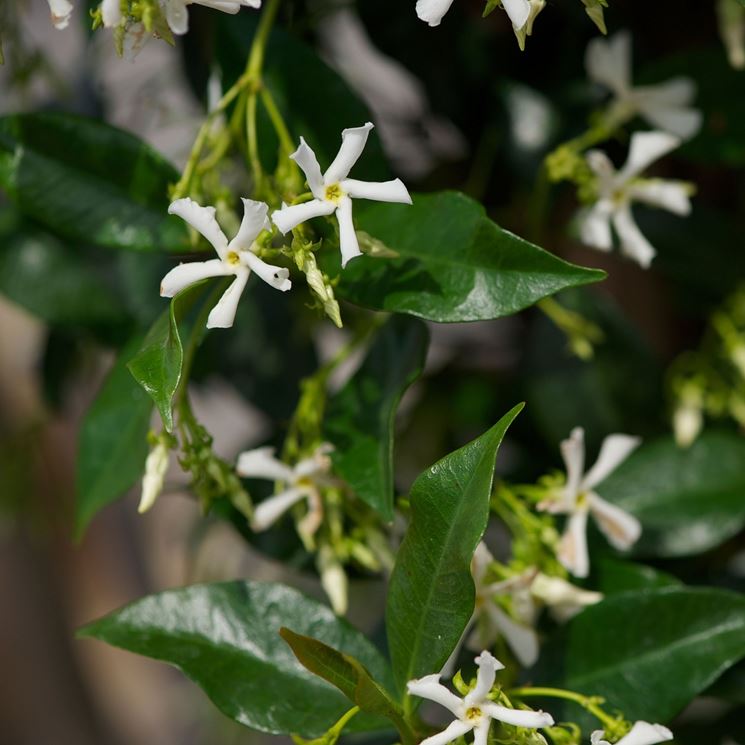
[(475, 711), (529, 591), (237, 257), (642, 733), (433, 11), (61, 11), (334, 192), (666, 106), (301, 481), (618, 190), (177, 13), (578, 500)]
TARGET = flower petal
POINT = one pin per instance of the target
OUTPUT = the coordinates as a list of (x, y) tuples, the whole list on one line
[(255, 219), (432, 11), (598, 738), (223, 314), (518, 717), (594, 226), (203, 220), (573, 453), (270, 510), (485, 677), (229, 6), (306, 159), (350, 247), (290, 217), (380, 191), (518, 11), (667, 106), (572, 551), (608, 62), (429, 687), (352, 144), (61, 11), (645, 149), (177, 16), (614, 451), (481, 733), (633, 243), (563, 598), (277, 277), (643, 733), (452, 732), (111, 13), (184, 275), (673, 196), (620, 528), (521, 639), (261, 463)]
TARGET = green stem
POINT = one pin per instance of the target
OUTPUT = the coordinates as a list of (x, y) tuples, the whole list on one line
[(258, 47), (253, 142), (285, 139), (589, 703)]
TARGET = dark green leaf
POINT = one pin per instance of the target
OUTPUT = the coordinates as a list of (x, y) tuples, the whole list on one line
[(688, 500), (360, 418), (158, 365), (349, 676), (649, 653), (113, 441), (454, 263), (431, 594), (225, 637), (53, 282), (611, 576), (89, 182)]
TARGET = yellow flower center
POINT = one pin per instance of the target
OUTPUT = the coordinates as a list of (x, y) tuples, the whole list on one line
[(334, 193), (473, 714), (233, 258)]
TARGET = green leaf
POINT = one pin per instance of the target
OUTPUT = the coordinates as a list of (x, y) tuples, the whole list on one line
[(611, 576), (431, 595), (89, 182), (158, 365), (454, 263), (113, 441), (225, 637), (360, 418), (688, 500), (349, 676), (43, 275), (648, 653)]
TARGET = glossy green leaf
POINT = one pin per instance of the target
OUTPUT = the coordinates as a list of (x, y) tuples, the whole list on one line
[(113, 441), (225, 637), (688, 500), (360, 418), (454, 263), (431, 595), (158, 365), (611, 576), (89, 182), (50, 280), (648, 653), (348, 675)]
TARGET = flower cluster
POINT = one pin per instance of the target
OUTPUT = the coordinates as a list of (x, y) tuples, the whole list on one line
[(333, 193)]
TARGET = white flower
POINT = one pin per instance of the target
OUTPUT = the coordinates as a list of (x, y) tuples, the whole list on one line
[(666, 106), (433, 11), (177, 14), (475, 711), (578, 500), (334, 192), (156, 466), (529, 592), (333, 579), (61, 11), (300, 481), (237, 257), (617, 190), (111, 13), (642, 733), (522, 32)]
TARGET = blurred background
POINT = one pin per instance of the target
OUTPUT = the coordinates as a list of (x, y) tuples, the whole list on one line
[(456, 107)]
